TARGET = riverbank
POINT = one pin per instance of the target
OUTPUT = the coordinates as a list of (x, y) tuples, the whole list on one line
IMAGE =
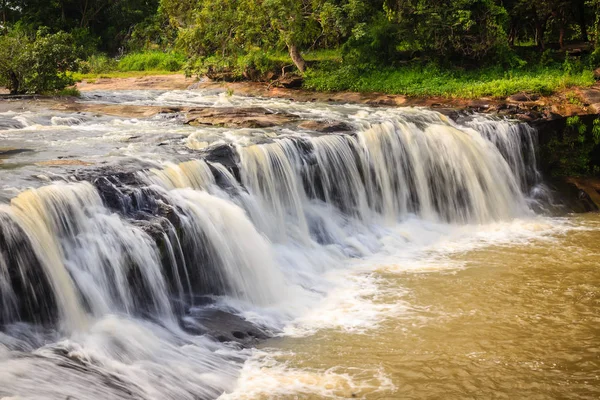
[(561, 156), (525, 106)]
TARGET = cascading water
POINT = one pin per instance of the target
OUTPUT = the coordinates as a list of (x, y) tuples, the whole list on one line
[(111, 271)]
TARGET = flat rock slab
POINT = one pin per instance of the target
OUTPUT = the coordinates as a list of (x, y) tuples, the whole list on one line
[(591, 97), (325, 126), (523, 98), (233, 117), (116, 110), (150, 82), (62, 163)]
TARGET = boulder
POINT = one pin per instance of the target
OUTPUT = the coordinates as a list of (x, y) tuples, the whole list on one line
[(234, 117), (289, 81), (590, 96), (573, 195), (223, 326), (523, 97)]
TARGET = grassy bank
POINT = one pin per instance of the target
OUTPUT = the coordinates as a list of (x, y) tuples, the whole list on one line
[(432, 81), (92, 76), (327, 73), (130, 66)]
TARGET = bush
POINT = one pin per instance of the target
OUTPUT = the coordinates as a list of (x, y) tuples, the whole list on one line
[(152, 61), (257, 65), (36, 63), (98, 64)]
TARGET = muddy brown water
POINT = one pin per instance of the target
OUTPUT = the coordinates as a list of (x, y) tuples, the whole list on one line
[(512, 322)]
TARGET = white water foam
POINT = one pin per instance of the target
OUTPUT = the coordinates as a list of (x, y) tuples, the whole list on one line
[(300, 245)]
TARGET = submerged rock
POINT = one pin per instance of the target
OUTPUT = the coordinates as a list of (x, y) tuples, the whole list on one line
[(223, 326)]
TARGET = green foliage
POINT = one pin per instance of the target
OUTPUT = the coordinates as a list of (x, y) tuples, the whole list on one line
[(375, 43), (462, 29), (596, 131), (256, 65), (573, 98), (154, 33), (97, 64), (36, 63), (105, 24), (571, 152), (152, 61)]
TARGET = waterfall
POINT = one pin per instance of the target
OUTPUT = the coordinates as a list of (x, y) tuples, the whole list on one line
[(193, 228), (255, 226)]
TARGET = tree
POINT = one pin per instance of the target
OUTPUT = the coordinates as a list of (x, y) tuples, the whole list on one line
[(468, 29), (36, 64), (230, 27)]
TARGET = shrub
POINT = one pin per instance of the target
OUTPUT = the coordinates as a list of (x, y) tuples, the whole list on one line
[(98, 64), (36, 63), (152, 61), (257, 65)]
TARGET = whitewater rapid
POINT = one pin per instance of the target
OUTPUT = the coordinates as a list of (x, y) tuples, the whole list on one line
[(103, 271)]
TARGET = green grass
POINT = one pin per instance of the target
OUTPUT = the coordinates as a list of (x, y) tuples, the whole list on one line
[(431, 81), (93, 77), (151, 61), (132, 65)]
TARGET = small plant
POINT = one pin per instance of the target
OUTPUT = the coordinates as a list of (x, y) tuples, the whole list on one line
[(596, 131), (229, 92), (151, 61), (573, 98), (572, 151), (98, 64)]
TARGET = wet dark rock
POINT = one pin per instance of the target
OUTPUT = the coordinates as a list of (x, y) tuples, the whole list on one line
[(571, 196), (223, 326), (479, 105), (226, 155), (32, 298), (592, 98), (523, 97), (11, 151), (289, 82)]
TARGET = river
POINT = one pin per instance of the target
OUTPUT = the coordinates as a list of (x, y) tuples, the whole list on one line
[(414, 256)]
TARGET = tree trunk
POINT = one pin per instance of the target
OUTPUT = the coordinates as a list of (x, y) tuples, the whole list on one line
[(540, 30), (512, 34), (539, 36), (297, 57), (561, 37), (581, 20), (14, 83)]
